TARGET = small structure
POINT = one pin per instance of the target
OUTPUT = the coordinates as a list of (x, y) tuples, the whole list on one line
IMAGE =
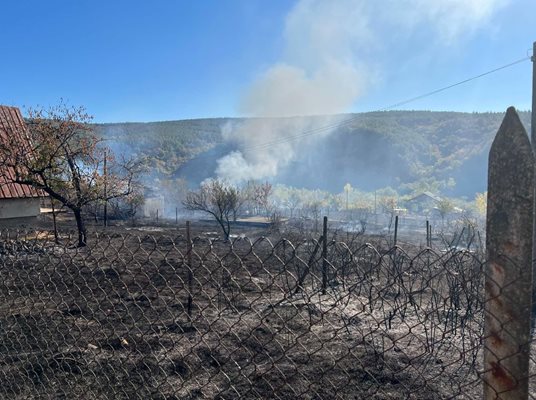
[(154, 207), (19, 204), (423, 202)]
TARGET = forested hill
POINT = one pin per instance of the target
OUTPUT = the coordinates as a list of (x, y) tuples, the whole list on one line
[(165, 144), (408, 150)]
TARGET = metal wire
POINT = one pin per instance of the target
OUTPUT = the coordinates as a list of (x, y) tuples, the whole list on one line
[(155, 317)]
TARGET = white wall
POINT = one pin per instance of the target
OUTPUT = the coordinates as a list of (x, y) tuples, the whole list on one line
[(151, 205), (19, 208)]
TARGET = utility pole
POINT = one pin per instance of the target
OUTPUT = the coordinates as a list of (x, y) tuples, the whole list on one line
[(375, 212), (347, 188)]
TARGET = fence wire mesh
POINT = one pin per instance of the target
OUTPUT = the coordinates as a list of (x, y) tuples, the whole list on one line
[(159, 317)]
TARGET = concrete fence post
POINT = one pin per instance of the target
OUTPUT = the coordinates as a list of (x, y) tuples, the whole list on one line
[(508, 282)]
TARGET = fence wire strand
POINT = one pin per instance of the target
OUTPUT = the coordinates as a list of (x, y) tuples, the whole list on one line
[(154, 317)]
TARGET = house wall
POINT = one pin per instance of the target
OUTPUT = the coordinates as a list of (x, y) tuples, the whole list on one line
[(19, 208), (151, 205)]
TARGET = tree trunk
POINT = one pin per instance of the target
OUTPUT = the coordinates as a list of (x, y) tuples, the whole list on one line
[(225, 227), (56, 239), (228, 233), (82, 233)]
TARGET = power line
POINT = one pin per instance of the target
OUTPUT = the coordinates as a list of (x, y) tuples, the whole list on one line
[(455, 84), (314, 131)]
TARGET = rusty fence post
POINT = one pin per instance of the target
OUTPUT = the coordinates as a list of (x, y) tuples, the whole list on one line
[(428, 241), (190, 270), (325, 256), (396, 231), (508, 281)]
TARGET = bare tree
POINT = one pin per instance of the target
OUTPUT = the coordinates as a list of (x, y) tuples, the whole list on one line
[(63, 158), (216, 199), (313, 210), (388, 205), (244, 196), (293, 202), (261, 197)]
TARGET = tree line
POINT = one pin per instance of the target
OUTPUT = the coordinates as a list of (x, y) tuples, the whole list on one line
[(73, 165)]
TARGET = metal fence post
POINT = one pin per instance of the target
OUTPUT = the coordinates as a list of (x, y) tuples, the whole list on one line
[(396, 230), (508, 280), (427, 233), (324, 256), (190, 271)]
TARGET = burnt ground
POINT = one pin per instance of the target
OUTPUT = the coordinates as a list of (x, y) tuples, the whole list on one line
[(111, 321)]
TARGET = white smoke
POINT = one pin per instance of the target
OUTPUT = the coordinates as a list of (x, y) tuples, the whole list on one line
[(451, 19), (329, 61), (266, 146)]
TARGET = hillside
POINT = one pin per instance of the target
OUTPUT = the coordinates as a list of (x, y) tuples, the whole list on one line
[(166, 144), (408, 150)]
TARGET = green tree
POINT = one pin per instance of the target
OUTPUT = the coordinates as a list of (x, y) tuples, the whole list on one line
[(444, 207), (481, 203)]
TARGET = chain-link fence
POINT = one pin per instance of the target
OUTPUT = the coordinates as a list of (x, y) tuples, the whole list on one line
[(151, 316)]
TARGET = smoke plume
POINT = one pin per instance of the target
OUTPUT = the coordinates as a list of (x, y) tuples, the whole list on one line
[(333, 52)]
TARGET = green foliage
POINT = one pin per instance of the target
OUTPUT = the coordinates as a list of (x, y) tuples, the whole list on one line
[(481, 203), (433, 146), (444, 207), (165, 145), (430, 147)]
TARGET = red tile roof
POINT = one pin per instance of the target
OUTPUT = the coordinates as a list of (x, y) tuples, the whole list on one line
[(12, 124)]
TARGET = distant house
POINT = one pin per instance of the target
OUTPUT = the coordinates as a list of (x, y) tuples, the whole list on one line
[(19, 204), (423, 202), (153, 207)]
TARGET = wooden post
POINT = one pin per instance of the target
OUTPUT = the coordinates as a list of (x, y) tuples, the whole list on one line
[(105, 173), (427, 233), (190, 270), (508, 281), (176, 215), (54, 222), (396, 229), (325, 256)]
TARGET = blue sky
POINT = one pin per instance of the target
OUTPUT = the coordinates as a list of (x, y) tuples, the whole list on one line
[(162, 60)]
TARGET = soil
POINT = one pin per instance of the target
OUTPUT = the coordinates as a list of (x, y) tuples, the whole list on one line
[(133, 316)]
